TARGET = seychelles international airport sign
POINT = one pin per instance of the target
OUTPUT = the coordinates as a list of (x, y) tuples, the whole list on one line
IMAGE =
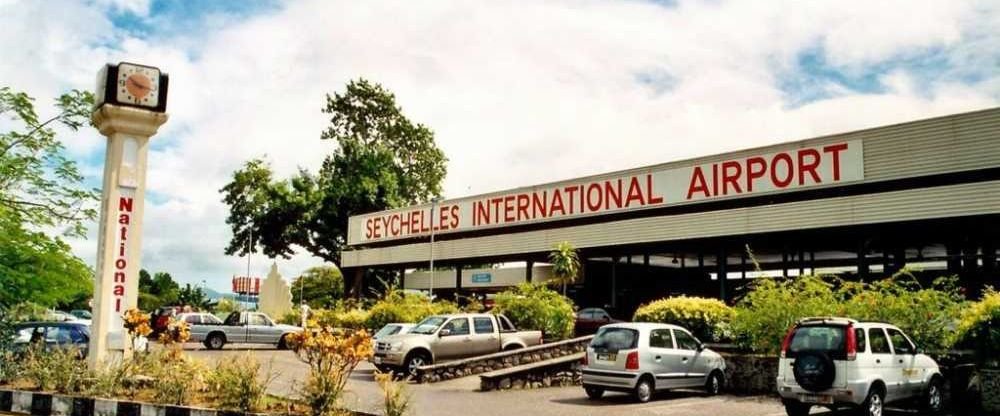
[(797, 167)]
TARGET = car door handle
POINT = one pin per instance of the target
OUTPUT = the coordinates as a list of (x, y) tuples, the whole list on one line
[(657, 358), (878, 361), (684, 359), (900, 361)]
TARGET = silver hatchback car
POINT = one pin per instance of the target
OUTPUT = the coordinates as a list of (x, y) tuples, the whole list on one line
[(641, 358)]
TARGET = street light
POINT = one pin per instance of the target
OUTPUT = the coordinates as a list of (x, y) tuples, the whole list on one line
[(434, 202)]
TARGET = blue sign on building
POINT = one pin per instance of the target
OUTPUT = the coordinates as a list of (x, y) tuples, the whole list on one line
[(482, 278)]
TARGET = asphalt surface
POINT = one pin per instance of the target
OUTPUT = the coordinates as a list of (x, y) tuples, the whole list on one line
[(461, 398)]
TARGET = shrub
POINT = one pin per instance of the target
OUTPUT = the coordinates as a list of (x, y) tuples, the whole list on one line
[(59, 370), (537, 307), (405, 307), (927, 315), (176, 379), (979, 329), (332, 355), (395, 400), (708, 319), (237, 385)]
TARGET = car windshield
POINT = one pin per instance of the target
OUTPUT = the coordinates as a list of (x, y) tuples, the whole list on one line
[(387, 330), (826, 339), (614, 339), (428, 326)]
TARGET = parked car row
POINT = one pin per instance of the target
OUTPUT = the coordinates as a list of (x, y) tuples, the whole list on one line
[(830, 362)]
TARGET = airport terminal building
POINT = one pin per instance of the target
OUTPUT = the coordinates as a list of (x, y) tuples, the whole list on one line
[(863, 203)]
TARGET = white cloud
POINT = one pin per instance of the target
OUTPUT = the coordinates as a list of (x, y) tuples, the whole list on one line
[(517, 92)]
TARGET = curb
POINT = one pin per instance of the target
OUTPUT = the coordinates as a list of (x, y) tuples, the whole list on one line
[(47, 404)]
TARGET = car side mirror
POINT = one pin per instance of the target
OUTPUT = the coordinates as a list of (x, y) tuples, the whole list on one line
[(701, 347), (920, 351), (444, 332)]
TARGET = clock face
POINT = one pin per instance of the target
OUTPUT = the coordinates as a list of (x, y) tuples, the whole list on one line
[(138, 85)]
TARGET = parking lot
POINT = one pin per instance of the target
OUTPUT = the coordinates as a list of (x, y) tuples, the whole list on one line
[(460, 397)]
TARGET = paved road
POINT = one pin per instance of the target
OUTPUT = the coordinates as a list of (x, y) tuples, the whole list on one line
[(460, 398)]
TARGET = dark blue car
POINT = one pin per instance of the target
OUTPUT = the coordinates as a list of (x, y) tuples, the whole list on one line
[(52, 335)]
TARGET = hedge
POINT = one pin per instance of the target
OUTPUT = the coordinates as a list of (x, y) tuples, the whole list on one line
[(707, 319), (536, 307)]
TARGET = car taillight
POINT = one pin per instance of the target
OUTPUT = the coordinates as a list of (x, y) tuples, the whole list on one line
[(852, 344), (584, 361), (632, 361), (788, 341)]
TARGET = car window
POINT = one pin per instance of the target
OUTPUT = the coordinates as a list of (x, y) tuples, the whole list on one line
[(660, 338), (233, 319), (820, 338), (80, 334), (900, 343), (386, 331), (59, 335), (428, 325), (458, 326), (860, 341), (483, 325), (878, 341), (26, 334), (614, 339), (505, 324), (193, 319), (602, 316), (256, 319), (211, 320), (685, 341)]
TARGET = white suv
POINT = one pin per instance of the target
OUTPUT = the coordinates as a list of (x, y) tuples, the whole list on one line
[(839, 362), (641, 358)]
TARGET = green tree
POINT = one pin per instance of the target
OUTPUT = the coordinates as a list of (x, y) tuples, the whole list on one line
[(40, 189), (157, 290), (40, 268), (565, 264), (194, 296), (383, 161), (320, 286), (38, 184)]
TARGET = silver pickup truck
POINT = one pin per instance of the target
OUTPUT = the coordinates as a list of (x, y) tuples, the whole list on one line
[(446, 337), (238, 327)]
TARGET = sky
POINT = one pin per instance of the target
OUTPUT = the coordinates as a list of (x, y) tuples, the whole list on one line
[(517, 92)]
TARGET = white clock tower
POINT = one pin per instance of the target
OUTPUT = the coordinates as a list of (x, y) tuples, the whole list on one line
[(130, 106)]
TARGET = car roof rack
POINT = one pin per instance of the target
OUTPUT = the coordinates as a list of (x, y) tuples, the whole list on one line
[(826, 320)]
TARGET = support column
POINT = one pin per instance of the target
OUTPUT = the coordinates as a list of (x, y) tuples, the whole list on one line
[(954, 258), (357, 283), (614, 281), (529, 270), (862, 261), (402, 278), (458, 279), (119, 241), (722, 272)]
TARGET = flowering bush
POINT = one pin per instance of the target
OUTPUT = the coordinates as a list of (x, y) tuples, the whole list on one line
[(979, 329), (928, 314), (537, 307), (236, 384), (399, 306), (395, 401), (332, 355), (708, 319)]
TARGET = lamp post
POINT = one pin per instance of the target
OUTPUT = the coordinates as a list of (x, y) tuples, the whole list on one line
[(434, 202)]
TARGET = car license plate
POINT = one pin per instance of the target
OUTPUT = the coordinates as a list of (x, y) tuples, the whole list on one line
[(377, 360), (816, 398), (607, 357)]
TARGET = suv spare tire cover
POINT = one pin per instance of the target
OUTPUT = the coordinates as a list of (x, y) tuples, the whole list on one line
[(814, 371)]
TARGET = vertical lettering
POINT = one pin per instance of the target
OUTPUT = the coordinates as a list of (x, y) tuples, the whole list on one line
[(125, 204), (808, 167), (698, 183), (653, 198), (731, 172), (835, 150), (752, 173), (789, 169)]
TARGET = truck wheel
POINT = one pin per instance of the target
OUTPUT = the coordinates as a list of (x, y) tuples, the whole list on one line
[(282, 343), (594, 393), (415, 360), (215, 342)]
